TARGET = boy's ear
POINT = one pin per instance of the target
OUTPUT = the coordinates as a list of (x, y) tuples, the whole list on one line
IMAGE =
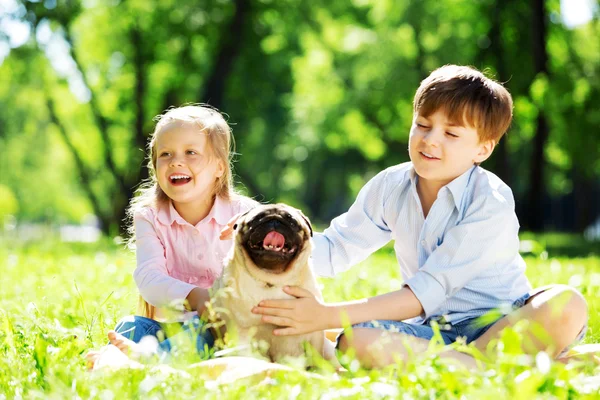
[(485, 151)]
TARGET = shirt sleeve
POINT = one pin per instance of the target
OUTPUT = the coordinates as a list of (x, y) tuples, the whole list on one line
[(356, 234), (151, 275), (486, 237)]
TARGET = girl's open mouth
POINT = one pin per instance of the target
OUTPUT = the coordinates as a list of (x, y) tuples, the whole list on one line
[(179, 179)]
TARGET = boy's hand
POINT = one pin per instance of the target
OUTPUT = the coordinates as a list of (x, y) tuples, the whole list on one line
[(304, 314), (228, 230)]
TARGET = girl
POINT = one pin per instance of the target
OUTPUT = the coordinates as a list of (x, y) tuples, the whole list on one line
[(177, 218)]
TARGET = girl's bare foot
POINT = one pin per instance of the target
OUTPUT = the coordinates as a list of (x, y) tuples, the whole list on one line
[(126, 346), (91, 357), (146, 347), (109, 356)]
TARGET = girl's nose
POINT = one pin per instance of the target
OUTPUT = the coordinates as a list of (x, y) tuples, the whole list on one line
[(176, 161)]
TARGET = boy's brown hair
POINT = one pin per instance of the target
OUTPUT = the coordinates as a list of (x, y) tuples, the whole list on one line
[(468, 98)]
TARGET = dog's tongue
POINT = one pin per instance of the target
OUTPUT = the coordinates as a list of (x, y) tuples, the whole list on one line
[(274, 239)]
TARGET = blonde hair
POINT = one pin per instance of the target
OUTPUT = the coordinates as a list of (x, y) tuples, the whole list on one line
[(210, 122), (464, 93)]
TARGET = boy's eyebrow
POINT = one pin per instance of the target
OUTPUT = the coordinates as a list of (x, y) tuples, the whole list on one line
[(451, 124)]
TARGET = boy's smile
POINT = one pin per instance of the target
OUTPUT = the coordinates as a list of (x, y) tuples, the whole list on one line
[(442, 150)]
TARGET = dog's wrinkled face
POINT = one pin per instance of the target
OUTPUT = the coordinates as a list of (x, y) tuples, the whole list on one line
[(273, 235)]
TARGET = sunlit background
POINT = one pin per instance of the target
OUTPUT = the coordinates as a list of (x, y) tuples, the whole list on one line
[(318, 95)]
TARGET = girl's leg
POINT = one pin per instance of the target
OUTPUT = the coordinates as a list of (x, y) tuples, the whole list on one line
[(559, 311), (134, 328), (194, 334), (135, 335)]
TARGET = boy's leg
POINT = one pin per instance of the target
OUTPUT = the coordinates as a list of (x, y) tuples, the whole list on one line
[(376, 348), (559, 311), (384, 342)]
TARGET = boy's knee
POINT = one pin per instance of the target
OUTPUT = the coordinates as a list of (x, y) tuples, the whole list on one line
[(575, 312), (343, 344), (362, 341), (567, 305)]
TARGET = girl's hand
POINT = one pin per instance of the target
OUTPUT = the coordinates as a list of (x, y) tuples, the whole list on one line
[(228, 230), (304, 314)]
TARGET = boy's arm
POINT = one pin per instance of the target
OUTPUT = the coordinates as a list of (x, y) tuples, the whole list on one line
[(354, 235), (308, 314), (151, 276), (487, 237)]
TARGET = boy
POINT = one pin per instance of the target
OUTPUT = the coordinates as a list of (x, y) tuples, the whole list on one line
[(456, 240)]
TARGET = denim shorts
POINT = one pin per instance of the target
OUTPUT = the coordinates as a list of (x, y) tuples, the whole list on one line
[(469, 329), (135, 328)]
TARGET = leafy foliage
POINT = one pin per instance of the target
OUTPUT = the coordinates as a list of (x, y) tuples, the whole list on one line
[(319, 96)]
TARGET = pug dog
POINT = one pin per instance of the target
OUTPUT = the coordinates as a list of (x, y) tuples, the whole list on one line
[(272, 247)]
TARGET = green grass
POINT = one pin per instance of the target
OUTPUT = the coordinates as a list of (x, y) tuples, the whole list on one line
[(58, 300)]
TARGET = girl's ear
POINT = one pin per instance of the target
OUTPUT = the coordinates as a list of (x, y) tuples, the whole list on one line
[(220, 169)]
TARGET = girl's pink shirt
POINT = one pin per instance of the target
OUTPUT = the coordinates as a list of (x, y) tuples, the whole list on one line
[(173, 256)]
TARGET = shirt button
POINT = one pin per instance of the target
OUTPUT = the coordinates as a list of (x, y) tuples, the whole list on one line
[(196, 232), (200, 257), (423, 243)]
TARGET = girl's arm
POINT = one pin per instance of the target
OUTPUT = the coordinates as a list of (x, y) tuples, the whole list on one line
[(155, 284), (197, 299), (308, 314)]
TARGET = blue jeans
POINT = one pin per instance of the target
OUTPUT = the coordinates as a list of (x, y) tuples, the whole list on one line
[(135, 328)]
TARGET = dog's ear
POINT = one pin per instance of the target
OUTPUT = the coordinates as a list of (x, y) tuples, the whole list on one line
[(305, 218), (239, 218)]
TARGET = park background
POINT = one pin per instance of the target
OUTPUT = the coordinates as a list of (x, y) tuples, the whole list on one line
[(319, 96)]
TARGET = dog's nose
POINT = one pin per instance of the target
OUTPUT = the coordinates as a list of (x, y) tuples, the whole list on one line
[(273, 224)]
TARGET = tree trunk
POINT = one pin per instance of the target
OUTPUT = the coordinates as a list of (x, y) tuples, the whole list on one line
[(534, 218), (497, 53), (229, 49)]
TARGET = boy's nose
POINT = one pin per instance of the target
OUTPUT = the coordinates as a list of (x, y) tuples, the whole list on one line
[(431, 138)]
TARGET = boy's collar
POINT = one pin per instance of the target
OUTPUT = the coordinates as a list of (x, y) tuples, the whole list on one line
[(167, 214), (456, 187)]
